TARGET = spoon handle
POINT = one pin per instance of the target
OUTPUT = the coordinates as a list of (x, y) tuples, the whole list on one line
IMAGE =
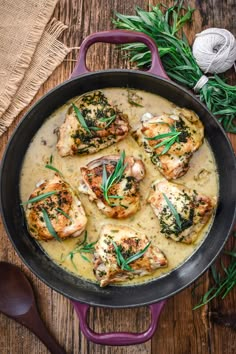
[(33, 322)]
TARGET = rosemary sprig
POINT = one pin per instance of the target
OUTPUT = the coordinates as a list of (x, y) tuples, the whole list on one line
[(108, 120), (39, 197), (124, 263), (81, 248), (169, 139), (49, 225), (224, 285), (173, 211), (80, 118), (165, 25), (115, 177)]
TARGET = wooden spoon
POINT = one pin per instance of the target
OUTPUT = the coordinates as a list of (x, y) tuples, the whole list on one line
[(18, 302)]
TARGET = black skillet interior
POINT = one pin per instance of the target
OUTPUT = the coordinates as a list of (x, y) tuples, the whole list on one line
[(68, 284)]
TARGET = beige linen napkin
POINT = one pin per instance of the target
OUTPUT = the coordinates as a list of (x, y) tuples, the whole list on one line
[(29, 52)]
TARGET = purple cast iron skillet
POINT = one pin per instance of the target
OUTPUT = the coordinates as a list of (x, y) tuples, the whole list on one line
[(84, 293)]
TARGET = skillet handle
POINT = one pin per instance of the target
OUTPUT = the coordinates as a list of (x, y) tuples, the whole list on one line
[(118, 338), (119, 37)]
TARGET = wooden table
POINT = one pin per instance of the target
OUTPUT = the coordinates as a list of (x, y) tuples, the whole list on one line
[(181, 330)]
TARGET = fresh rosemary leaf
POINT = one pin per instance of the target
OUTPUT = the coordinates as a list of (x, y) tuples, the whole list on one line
[(120, 259), (173, 211), (116, 197), (50, 167), (39, 197), (223, 283), (167, 139), (117, 250), (95, 128), (49, 225), (171, 140), (124, 263), (71, 256), (137, 255), (134, 103), (115, 176), (108, 120), (80, 118), (63, 213), (85, 258), (161, 136), (82, 247)]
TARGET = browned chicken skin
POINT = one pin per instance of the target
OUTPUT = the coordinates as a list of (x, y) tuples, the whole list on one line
[(106, 125), (64, 210), (127, 189), (174, 162), (194, 210), (130, 242)]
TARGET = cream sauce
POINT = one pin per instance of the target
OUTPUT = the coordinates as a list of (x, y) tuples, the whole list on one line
[(43, 146)]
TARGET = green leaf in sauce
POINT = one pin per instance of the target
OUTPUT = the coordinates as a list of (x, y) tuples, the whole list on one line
[(49, 225)]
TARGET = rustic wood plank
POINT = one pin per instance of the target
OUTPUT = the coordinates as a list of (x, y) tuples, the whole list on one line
[(180, 329)]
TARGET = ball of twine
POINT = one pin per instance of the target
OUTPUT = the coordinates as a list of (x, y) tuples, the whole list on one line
[(215, 50)]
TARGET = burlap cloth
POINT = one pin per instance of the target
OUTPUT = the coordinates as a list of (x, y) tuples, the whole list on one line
[(29, 52)]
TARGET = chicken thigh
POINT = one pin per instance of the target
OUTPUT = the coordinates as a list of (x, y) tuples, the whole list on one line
[(113, 183), (182, 212), (92, 123), (121, 253), (171, 140), (54, 211)]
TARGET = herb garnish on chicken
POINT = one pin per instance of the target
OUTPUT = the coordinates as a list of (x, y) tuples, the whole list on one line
[(182, 212), (122, 253), (170, 140), (113, 183), (92, 123), (115, 177)]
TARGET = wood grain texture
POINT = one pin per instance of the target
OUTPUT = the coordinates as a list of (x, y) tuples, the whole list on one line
[(181, 330)]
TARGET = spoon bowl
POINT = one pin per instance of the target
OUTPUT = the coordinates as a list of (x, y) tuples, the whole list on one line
[(18, 302)]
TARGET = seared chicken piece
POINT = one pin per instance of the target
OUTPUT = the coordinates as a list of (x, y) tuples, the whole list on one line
[(102, 124), (106, 265), (175, 138), (123, 195), (190, 210), (63, 209)]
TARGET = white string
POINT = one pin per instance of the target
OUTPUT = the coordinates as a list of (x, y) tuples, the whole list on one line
[(215, 50), (201, 82)]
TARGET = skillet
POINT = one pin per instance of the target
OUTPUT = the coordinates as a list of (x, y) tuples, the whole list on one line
[(84, 293)]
